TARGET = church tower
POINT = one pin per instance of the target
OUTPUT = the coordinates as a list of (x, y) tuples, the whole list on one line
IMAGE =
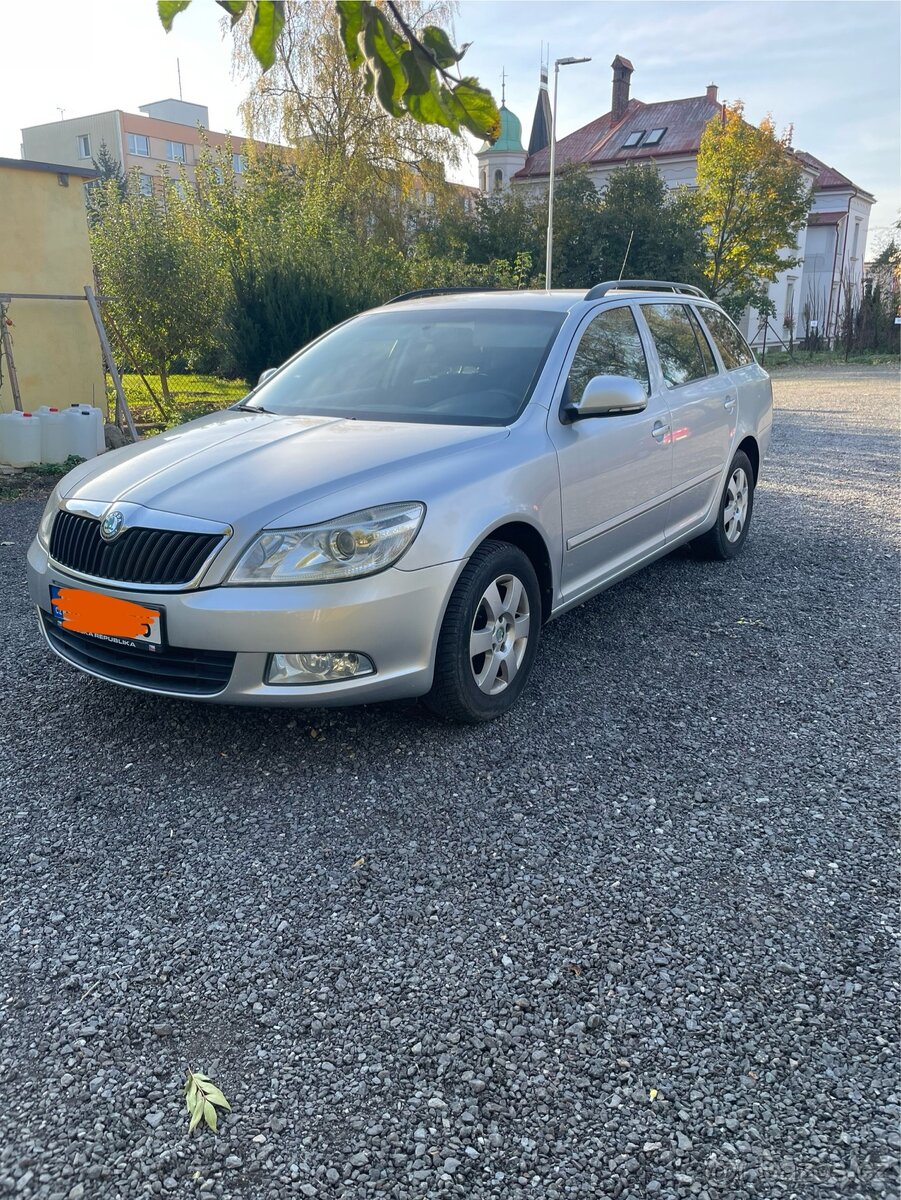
[(500, 162)]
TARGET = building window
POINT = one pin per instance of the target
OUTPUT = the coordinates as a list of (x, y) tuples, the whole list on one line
[(175, 152), (239, 164), (146, 185), (856, 239), (655, 137), (84, 146), (498, 179), (139, 144), (634, 139), (484, 180), (788, 318)]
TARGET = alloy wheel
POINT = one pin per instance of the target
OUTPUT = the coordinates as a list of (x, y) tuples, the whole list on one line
[(735, 511), (499, 634)]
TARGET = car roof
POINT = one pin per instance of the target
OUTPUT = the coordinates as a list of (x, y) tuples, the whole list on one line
[(562, 300), (558, 300)]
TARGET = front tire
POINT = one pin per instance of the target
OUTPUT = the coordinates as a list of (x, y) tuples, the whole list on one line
[(489, 636), (727, 537)]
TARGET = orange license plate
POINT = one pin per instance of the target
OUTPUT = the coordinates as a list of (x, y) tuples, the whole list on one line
[(122, 622)]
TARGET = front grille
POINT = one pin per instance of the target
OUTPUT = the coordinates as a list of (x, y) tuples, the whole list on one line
[(173, 669), (152, 556)]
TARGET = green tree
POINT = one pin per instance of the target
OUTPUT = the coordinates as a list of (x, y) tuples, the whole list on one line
[(109, 168), (754, 200), (650, 231), (163, 275)]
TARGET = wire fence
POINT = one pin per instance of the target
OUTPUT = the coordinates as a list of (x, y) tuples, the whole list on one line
[(158, 402)]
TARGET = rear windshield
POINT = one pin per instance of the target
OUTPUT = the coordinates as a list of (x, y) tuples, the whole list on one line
[(442, 367)]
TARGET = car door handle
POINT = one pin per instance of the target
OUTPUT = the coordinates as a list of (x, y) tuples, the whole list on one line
[(729, 403), (659, 432)]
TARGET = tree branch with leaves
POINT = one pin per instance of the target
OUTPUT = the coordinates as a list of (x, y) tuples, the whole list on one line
[(410, 72)]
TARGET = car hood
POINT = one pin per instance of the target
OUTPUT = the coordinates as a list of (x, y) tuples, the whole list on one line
[(236, 465)]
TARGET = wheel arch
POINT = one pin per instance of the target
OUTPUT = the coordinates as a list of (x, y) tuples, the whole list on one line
[(532, 543), (750, 447)]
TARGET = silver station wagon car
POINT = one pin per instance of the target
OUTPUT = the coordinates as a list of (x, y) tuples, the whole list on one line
[(397, 510)]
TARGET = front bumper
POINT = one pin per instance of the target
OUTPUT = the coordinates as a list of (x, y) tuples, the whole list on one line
[(393, 617)]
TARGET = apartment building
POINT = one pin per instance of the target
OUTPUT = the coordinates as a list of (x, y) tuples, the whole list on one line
[(166, 134)]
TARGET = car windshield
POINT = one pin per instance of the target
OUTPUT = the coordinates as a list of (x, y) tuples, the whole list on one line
[(446, 367)]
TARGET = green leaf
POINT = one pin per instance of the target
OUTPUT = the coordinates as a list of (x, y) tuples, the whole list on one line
[(209, 1115), (350, 17), (383, 50), (195, 1118), (234, 8), (475, 109), (419, 73), (169, 9), (439, 46), (268, 22), (430, 109)]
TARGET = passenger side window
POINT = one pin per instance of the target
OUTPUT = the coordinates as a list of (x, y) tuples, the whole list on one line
[(733, 348), (676, 339), (611, 345)]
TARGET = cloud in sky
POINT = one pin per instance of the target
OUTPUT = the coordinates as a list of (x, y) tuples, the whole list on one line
[(830, 69)]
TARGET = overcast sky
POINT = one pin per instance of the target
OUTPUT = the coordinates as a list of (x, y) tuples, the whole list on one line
[(828, 68)]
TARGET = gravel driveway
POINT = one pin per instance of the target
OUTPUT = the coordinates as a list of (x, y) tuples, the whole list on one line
[(634, 940)]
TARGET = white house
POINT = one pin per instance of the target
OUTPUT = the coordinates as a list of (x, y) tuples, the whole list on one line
[(668, 134)]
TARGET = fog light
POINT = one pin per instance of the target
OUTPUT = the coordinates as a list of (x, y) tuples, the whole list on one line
[(320, 666)]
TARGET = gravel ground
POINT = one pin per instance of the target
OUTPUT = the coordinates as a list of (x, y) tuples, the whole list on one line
[(633, 941)]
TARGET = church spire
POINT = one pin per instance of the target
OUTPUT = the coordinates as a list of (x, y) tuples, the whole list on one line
[(541, 122)]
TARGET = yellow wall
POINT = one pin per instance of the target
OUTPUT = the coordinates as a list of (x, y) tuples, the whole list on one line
[(44, 248)]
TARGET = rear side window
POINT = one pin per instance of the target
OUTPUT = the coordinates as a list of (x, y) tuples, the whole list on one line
[(733, 348), (676, 338), (610, 345)]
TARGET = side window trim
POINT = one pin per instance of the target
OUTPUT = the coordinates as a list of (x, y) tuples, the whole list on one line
[(702, 335), (560, 396), (667, 386)]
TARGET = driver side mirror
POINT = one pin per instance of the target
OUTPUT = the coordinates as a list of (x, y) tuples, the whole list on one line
[(267, 374), (608, 396)]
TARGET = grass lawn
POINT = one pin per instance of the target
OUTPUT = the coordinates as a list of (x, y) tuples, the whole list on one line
[(192, 396)]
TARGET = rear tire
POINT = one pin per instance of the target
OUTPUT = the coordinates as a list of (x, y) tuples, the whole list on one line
[(489, 636), (727, 537)]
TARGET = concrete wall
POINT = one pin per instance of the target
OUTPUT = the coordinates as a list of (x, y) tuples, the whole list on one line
[(57, 142), (44, 248)]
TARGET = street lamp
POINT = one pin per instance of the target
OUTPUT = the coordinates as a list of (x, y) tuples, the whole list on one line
[(560, 62)]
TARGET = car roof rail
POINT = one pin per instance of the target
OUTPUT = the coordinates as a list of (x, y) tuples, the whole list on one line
[(643, 285), (421, 293)]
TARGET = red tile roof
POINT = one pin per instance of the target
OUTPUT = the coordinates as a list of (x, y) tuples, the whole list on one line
[(826, 218), (600, 141), (827, 177)]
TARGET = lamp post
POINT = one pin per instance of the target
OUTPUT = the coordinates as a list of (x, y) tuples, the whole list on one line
[(558, 63)]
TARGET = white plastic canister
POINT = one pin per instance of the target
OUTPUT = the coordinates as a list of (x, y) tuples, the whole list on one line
[(54, 435), (20, 439), (81, 434), (96, 416)]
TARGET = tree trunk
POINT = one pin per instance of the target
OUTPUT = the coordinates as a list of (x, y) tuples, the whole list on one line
[(164, 383)]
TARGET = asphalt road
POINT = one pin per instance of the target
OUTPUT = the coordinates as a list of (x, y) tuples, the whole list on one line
[(635, 940)]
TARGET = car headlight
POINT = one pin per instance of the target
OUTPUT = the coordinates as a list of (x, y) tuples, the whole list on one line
[(46, 526), (360, 543)]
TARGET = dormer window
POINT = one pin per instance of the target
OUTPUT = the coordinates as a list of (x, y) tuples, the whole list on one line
[(634, 139), (655, 137)]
